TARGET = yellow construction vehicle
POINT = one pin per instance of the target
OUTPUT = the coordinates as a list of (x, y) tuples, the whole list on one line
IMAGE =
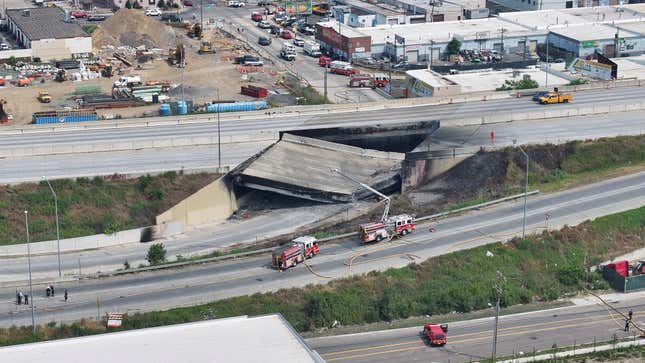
[(44, 97), (177, 56), (206, 47)]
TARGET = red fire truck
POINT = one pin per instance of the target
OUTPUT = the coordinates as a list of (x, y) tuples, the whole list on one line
[(361, 80), (380, 80), (398, 225), (294, 253), (436, 333)]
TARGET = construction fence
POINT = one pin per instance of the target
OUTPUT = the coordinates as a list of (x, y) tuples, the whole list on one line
[(621, 283)]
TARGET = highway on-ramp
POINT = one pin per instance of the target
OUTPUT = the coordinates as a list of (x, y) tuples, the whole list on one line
[(203, 283), (471, 340)]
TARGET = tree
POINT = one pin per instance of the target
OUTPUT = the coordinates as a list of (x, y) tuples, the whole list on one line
[(161, 4), (454, 46), (156, 254), (128, 4)]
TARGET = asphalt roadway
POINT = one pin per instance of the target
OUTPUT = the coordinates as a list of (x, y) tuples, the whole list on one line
[(204, 157), (199, 284), (519, 334)]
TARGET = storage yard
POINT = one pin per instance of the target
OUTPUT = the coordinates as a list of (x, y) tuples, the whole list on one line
[(130, 44)]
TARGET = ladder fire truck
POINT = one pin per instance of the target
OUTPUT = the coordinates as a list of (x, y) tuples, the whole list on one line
[(294, 253), (388, 227)]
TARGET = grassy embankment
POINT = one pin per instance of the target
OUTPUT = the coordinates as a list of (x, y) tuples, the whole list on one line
[(91, 206), (540, 268)]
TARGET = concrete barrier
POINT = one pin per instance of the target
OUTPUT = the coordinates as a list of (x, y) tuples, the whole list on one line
[(54, 149), (75, 244)]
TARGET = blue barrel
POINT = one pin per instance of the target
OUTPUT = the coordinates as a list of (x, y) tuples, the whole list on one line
[(164, 110), (182, 108)]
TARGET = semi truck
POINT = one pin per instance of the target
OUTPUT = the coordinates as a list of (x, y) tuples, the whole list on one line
[(295, 252), (436, 333)]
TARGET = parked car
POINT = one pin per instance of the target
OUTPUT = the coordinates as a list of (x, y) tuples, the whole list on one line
[(306, 29), (153, 12), (96, 17), (275, 30), (4, 46), (235, 4), (256, 16), (188, 3), (264, 24), (171, 17), (298, 42), (286, 35), (264, 41), (78, 14)]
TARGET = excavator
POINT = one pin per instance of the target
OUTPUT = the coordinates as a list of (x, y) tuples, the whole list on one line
[(176, 56), (206, 47)]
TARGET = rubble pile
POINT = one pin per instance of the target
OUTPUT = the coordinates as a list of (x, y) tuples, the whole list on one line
[(133, 29)]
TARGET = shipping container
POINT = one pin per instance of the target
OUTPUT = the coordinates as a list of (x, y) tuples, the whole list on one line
[(254, 91), (237, 106), (54, 117)]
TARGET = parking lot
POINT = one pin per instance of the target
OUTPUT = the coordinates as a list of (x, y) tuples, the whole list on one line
[(304, 66)]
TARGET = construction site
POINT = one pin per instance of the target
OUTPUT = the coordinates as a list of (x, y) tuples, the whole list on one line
[(169, 61)]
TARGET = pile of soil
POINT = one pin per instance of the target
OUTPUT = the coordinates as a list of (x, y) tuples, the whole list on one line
[(130, 27)]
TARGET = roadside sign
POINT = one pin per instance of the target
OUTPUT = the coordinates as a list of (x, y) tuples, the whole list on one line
[(114, 320)]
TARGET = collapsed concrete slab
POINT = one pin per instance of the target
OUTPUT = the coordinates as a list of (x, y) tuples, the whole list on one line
[(301, 167)]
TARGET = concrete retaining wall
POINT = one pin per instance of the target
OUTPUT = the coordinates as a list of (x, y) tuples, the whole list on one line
[(75, 244), (214, 202)]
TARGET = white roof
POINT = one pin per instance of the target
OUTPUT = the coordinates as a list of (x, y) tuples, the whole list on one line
[(267, 339), (591, 32), (542, 19), (430, 78)]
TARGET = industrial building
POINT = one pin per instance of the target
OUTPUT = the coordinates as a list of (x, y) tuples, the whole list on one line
[(267, 338), (527, 5), (576, 32), (47, 34)]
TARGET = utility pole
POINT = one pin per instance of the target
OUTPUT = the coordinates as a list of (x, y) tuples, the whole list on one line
[(31, 291), (498, 290), (201, 19), (546, 69), (325, 82), (60, 271), (431, 53), (502, 52)]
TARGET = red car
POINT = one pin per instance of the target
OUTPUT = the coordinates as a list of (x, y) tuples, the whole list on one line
[(286, 34), (79, 14), (256, 17)]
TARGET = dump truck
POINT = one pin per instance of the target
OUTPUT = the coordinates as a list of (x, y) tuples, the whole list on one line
[(295, 252), (555, 97), (206, 47), (44, 97), (436, 333)]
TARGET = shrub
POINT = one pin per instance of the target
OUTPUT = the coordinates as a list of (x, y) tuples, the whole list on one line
[(156, 254)]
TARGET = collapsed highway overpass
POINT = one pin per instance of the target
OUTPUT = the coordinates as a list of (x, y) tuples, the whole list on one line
[(301, 167)]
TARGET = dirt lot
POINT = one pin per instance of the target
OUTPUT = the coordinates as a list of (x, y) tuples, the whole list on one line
[(203, 75)]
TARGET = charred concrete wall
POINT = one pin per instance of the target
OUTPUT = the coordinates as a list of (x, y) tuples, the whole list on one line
[(214, 202), (417, 172)]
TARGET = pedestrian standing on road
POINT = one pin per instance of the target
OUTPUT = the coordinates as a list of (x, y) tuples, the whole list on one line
[(48, 291), (65, 294), (626, 324), (20, 295), (52, 287), (17, 298), (26, 299), (630, 314)]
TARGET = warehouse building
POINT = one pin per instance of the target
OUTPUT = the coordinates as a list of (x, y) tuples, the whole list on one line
[(47, 33), (576, 32), (267, 338), (528, 5)]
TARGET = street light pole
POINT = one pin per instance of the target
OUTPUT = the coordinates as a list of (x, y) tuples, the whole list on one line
[(31, 291), (60, 271), (526, 190), (498, 290), (219, 143)]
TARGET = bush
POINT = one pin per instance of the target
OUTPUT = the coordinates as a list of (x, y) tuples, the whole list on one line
[(454, 46), (156, 254), (161, 4)]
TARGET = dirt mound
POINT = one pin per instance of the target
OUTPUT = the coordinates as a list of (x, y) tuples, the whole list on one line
[(132, 28)]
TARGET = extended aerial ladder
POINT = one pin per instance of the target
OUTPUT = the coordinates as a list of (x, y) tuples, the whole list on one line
[(385, 198)]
